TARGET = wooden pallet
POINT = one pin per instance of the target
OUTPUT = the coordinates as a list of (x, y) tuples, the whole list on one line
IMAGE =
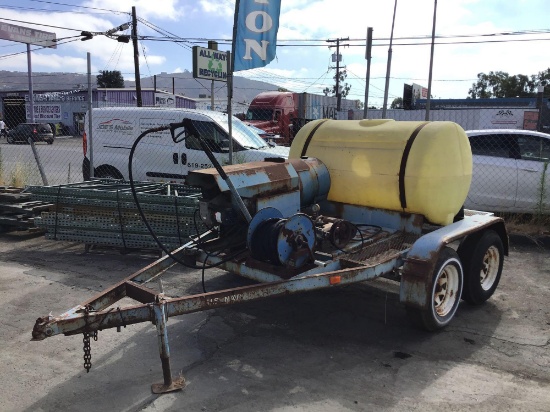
[(18, 210)]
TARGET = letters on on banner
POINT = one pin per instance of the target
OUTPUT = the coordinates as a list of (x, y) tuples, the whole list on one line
[(256, 36)]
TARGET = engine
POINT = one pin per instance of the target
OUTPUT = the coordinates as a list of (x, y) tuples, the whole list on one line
[(283, 197)]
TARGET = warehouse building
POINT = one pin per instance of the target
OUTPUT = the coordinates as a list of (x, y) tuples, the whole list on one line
[(66, 109)]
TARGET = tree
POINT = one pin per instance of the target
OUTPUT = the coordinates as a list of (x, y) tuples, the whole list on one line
[(397, 103), (282, 89), (501, 84), (345, 87), (110, 79)]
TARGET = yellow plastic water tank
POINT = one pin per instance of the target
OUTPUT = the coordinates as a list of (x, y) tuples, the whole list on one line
[(415, 167)]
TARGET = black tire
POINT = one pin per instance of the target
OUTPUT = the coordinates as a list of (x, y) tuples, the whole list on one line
[(446, 287), (482, 263), (107, 172), (10, 140), (49, 141)]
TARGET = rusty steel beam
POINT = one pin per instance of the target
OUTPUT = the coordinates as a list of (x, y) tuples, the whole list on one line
[(81, 321)]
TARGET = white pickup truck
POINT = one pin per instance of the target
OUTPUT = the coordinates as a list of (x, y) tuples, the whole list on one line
[(157, 156)]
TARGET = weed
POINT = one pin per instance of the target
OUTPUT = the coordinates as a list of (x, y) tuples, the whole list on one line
[(541, 206), (2, 182), (20, 175), (526, 224)]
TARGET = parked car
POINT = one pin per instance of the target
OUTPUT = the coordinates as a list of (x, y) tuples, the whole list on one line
[(511, 171), (38, 132)]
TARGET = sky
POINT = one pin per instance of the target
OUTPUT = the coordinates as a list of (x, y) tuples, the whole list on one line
[(473, 36)]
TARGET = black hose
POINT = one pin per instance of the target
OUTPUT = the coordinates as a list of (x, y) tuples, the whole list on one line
[(146, 222)]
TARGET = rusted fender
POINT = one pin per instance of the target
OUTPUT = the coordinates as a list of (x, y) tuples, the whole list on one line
[(416, 278)]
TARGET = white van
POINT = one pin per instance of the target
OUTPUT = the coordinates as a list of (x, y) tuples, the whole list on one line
[(157, 157)]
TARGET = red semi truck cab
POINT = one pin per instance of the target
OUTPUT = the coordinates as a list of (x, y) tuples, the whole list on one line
[(275, 113), (285, 113)]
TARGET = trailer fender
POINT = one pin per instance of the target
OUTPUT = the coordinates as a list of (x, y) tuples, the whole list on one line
[(420, 262)]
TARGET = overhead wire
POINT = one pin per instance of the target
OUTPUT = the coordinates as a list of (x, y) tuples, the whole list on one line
[(33, 9), (79, 6)]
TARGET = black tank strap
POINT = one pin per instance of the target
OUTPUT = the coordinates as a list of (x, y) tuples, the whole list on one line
[(309, 137), (404, 159)]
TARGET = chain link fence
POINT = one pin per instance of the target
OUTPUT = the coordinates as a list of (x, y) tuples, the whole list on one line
[(510, 156)]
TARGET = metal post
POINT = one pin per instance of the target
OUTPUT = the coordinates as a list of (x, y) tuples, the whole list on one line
[(212, 95), (136, 57), (31, 109), (230, 70), (427, 118), (173, 85), (229, 109), (338, 103), (89, 136), (368, 55), (540, 98), (388, 68), (212, 45), (169, 384)]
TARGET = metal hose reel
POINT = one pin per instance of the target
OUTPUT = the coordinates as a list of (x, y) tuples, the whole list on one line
[(281, 241)]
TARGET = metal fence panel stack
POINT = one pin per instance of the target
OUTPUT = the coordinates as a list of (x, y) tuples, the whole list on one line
[(103, 212)]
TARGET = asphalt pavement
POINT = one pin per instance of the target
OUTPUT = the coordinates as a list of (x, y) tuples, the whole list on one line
[(344, 349)]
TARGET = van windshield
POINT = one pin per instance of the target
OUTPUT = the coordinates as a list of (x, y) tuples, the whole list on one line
[(243, 134)]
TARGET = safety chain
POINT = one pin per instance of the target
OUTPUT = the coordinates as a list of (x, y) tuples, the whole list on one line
[(87, 352), (86, 340), (88, 349)]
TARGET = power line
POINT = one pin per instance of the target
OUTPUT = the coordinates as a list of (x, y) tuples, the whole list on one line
[(33, 9), (78, 6), (39, 24)]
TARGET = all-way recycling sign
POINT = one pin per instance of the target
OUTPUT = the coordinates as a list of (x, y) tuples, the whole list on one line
[(209, 64)]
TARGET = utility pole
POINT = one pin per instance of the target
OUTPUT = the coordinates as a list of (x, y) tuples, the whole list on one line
[(136, 57), (427, 118), (388, 68), (338, 58), (368, 55)]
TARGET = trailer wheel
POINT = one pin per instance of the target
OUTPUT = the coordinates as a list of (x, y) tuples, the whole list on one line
[(446, 287), (483, 263)]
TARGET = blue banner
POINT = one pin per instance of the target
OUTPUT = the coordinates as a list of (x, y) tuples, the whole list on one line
[(257, 23)]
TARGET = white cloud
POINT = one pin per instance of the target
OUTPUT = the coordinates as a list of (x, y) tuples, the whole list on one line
[(159, 9), (217, 7)]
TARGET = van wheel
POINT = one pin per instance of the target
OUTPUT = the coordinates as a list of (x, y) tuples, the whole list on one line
[(10, 140), (49, 141), (107, 172)]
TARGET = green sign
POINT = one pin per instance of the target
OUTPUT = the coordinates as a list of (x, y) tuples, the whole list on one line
[(209, 64)]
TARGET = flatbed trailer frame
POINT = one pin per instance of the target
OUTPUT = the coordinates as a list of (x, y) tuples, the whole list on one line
[(405, 254)]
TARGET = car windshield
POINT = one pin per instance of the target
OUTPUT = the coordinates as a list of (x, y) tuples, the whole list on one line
[(259, 114), (243, 134)]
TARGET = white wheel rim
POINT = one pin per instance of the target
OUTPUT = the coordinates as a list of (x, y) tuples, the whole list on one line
[(489, 268), (446, 289)]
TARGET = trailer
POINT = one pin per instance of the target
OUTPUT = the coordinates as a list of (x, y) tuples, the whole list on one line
[(273, 222)]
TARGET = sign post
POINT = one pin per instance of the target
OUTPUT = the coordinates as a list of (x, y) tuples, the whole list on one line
[(29, 36)]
